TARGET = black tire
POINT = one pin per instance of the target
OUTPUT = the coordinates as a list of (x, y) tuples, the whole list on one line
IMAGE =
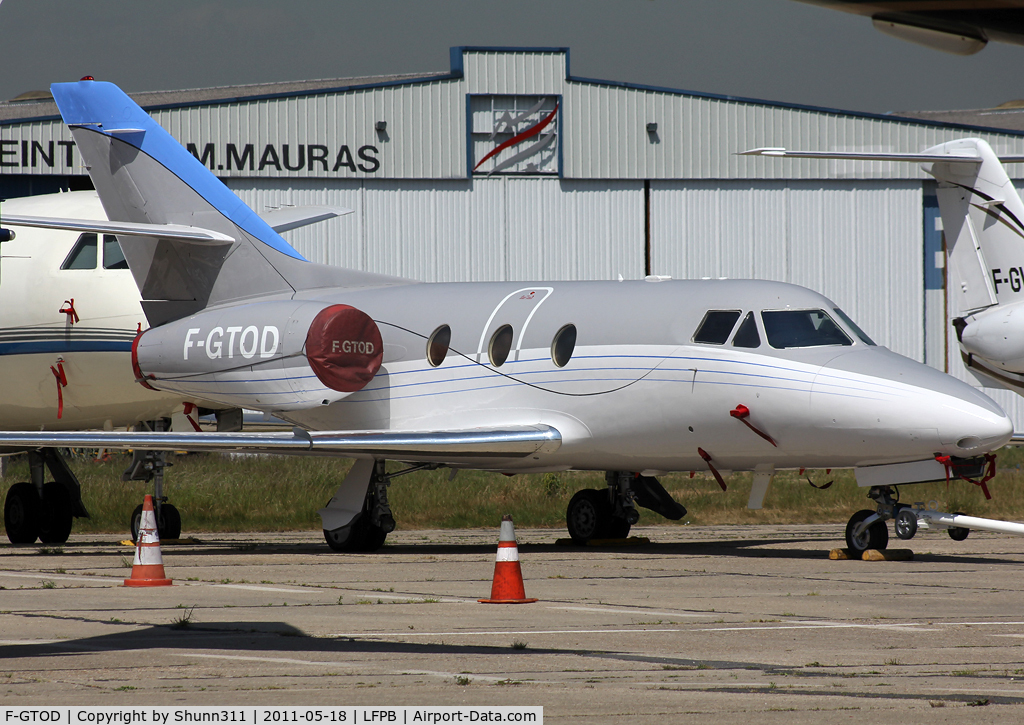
[(905, 524), (588, 515), (373, 538), (55, 516), (362, 536), (337, 540), (618, 528), (22, 511), (168, 522), (135, 523), (876, 537), (958, 533)]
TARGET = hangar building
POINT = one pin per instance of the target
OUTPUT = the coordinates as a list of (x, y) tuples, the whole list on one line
[(508, 167)]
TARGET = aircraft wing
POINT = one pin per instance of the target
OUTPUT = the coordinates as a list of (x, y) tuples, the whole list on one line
[(293, 217), (506, 442), (164, 231)]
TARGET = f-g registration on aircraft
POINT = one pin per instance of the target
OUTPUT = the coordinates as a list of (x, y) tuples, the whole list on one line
[(630, 378)]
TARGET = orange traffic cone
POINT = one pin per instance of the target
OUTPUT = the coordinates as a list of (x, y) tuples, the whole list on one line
[(507, 587), (148, 567)]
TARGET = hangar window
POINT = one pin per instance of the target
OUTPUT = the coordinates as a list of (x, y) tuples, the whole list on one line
[(714, 329), (113, 257), (83, 254), (802, 328), (853, 326), (563, 345), (437, 345), (747, 335), (500, 345)]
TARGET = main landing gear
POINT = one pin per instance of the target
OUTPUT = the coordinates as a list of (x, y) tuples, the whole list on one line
[(40, 509), (610, 513), (371, 526), (149, 466)]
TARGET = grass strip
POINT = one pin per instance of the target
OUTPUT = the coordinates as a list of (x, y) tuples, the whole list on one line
[(281, 493)]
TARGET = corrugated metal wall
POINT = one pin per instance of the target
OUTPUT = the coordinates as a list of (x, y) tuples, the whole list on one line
[(481, 230)]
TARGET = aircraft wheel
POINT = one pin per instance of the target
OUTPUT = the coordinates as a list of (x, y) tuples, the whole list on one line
[(618, 528), (168, 522), (875, 537), (587, 516), (55, 517), (360, 536), (22, 512), (373, 538), (136, 522), (338, 538), (905, 524), (958, 533)]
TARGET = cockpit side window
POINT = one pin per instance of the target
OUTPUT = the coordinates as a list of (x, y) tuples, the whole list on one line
[(802, 328), (83, 254), (853, 326), (113, 257), (747, 335), (714, 329)]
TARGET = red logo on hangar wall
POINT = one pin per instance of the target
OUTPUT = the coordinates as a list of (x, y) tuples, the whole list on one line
[(534, 125), (344, 348)]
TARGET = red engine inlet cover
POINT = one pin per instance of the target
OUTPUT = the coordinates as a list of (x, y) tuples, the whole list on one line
[(344, 348)]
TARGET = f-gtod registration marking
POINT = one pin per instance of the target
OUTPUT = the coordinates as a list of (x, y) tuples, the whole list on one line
[(365, 348), (26, 715)]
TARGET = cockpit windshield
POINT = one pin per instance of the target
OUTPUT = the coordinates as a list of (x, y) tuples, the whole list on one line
[(853, 326), (802, 328)]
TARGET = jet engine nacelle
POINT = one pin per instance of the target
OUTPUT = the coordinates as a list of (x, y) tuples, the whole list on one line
[(996, 335), (282, 355)]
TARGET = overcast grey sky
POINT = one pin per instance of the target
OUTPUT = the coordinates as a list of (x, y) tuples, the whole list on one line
[(778, 50)]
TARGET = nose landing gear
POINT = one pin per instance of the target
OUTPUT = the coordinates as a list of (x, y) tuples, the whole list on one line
[(867, 529)]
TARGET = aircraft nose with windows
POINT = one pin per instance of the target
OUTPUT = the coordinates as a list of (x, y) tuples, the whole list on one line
[(631, 378)]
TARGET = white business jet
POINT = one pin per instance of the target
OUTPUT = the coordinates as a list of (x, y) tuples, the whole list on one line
[(631, 378)]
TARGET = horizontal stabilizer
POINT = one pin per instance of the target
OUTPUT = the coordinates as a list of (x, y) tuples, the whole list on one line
[(293, 217), (442, 446), (139, 229), (866, 156)]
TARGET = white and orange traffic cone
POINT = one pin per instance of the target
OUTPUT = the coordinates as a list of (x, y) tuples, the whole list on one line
[(507, 587), (148, 567)]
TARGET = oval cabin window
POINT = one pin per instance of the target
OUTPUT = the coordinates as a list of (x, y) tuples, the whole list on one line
[(437, 345), (563, 345), (500, 345)]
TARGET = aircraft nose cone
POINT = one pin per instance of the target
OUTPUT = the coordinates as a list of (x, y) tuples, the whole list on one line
[(908, 408)]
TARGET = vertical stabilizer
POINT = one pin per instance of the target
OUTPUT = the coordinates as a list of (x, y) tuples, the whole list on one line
[(143, 175), (982, 217)]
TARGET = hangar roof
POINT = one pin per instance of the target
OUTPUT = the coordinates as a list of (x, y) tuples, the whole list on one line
[(39, 104), (506, 111)]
